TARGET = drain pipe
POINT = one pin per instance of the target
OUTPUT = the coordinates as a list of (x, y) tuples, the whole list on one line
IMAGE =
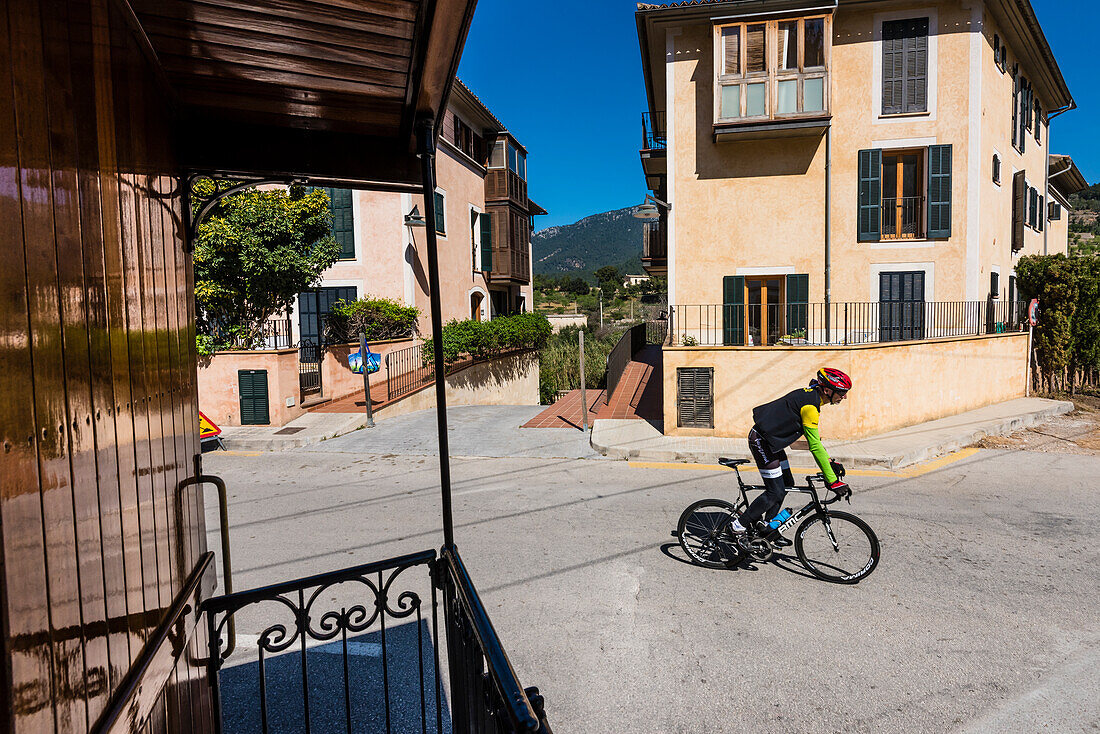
[(828, 236), (426, 151), (1046, 186)]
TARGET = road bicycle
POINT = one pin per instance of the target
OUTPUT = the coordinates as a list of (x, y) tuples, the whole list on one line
[(833, 545)]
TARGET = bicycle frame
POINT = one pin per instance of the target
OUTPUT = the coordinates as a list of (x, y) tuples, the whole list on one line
[(814, 505)]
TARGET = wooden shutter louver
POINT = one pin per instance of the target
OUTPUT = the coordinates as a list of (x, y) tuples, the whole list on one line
[(486, 242), (905, 66), (343, 223), (1019, 205), (798, 296), (755, 48), (870, 195), (252, 385), (733, 310), (695, 397), (440, 216), (939, 191)]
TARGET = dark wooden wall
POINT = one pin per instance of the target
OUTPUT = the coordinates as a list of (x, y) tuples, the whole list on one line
[(97, 377)]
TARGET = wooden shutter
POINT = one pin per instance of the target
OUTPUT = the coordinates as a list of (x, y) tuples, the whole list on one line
[(733, 310), (870, 195), (1015, 108), (695, 397), (252, 385), (1019, 206), (487, 242), (343, 223), (905, 66), (755, 48), (440, 217), (939, 191), (798, 296), (1041, 213), (1032, 201), (995, 284)]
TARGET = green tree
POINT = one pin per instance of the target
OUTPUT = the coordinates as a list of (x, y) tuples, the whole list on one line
[(609, 279), (256, 251)]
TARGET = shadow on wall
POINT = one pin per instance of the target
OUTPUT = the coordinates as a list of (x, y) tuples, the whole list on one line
[(496, 372), (746, 159), (408, 677)]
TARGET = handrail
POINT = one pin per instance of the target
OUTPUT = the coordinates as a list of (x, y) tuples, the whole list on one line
[(520, 711), (223, 530), (631, 341)]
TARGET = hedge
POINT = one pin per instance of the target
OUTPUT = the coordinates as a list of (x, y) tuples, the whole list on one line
[(379, 318), (482, 339)]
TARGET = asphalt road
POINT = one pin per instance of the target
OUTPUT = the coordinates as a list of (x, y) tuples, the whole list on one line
[(980, 618)]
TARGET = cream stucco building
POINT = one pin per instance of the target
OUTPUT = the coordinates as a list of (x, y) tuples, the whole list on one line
[(846, 174), (483, 225)]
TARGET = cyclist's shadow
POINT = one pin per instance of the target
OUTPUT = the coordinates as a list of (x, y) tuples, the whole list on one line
[(788, 563)]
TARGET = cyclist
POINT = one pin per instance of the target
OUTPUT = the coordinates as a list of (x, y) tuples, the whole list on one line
[(780, 423)]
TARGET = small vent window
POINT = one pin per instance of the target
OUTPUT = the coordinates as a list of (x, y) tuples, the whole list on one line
[(695, 397), (996, 169)]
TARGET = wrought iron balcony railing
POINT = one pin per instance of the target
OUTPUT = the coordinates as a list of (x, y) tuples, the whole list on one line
[(653, 131), (839, 324), (903, 218), (360, 649)]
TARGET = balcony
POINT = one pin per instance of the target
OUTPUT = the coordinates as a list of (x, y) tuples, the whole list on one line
[(653, 151), (511, 244), (903, 218), (655, 248), (502, 184)]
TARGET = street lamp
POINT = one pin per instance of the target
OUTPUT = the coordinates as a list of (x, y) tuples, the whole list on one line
[(414, 219), (649, 210)]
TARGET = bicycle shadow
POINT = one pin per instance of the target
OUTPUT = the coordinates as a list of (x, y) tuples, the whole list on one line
[(788, 563)]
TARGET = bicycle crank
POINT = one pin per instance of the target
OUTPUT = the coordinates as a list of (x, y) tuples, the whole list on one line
[(760, 550)]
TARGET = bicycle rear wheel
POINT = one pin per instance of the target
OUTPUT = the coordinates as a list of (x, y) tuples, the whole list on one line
[(852, 557), (702, 533)]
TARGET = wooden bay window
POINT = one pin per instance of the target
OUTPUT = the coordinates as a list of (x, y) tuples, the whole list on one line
[(772, 70)]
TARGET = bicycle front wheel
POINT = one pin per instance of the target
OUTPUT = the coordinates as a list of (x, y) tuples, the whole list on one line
[(837, 547), (703, 536)]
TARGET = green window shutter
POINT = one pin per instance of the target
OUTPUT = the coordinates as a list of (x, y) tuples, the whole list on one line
[(733, 310), (695, 397), (1019, 206), (343, 224), (870, 195), (252, 385), (939, 191), (798, 297), (487, 242), (440, 217)]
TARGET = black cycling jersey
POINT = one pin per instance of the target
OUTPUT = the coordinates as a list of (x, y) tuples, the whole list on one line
[(784, 420)]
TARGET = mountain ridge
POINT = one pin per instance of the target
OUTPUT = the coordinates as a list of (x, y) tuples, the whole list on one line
[(605, 238)]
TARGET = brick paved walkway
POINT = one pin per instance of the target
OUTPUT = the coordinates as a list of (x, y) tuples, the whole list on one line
[(638, 396)]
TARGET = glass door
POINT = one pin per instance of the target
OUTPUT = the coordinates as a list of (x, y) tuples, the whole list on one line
[(763, 311)]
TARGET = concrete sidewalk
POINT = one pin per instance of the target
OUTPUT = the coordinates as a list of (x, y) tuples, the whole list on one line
[(642, 441), (304, 430)]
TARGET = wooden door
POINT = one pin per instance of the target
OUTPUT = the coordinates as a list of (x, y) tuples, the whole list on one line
[(764, 318)]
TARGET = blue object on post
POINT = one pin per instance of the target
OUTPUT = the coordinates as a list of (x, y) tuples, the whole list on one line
[(373, 362)]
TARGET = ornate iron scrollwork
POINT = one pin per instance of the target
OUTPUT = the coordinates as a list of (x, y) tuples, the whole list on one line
[(223, 186)]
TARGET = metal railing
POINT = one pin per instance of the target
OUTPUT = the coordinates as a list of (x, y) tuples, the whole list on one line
[(903, 218), (358, 649), (407, 370), (656, 332), (309, 367), (629, 344), (840, 324), (272, 334), (653, 131)]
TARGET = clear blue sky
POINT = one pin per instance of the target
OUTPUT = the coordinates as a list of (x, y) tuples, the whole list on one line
[(566, 79)]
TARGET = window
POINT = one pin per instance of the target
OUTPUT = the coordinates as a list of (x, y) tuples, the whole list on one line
[(496, 159), (505, 154), (1040, 213), (343, 223), (997, 51), (1022, 111), (1019, 209), (1054, 210), (996, 169), (695, 397), (1004, 59), (759, 78), (994, 284), (905, 66), (904, 194), (1032, 207), (463, 137), (440, 213), (1038, 112)]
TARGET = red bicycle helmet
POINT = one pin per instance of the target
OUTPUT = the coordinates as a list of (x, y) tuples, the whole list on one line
[(834, 379)]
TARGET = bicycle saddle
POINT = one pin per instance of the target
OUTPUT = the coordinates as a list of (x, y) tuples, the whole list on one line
[(731, 462)]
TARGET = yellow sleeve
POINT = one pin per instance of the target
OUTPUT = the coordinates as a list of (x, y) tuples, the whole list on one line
[(810, 415)]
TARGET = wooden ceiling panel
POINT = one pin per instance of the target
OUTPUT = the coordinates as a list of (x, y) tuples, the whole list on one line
[(182, 68), (276, 38)]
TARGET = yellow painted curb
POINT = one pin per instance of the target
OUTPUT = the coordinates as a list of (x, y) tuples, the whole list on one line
[(915, 471)]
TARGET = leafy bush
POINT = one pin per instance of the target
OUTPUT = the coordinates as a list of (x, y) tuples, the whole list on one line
[(379, 318), (481, 339)]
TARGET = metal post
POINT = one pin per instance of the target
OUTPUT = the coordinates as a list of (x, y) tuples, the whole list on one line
[(828, 234), (601, 306), (426, 148), (584, 402), (366, 379), (320, 354), (1027, 371)]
